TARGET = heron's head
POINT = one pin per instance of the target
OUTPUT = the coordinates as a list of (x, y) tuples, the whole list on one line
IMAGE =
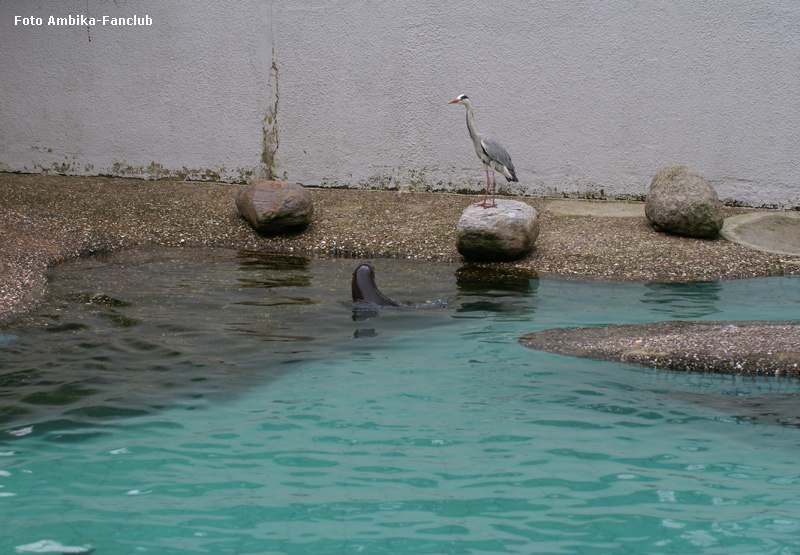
[(462, 99)]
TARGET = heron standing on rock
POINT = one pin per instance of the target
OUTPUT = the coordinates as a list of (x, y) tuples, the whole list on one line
[(490, 152)]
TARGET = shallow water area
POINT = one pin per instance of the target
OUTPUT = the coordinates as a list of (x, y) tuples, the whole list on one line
[(214, 401)]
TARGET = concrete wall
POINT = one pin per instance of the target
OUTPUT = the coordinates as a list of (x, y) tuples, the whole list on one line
[(589, 97), (184, 97)]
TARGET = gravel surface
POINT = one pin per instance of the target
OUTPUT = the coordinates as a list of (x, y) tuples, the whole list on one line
[(48, 219)]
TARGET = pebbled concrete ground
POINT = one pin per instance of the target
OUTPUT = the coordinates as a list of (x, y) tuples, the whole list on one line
[(47, 219), (740, 348)]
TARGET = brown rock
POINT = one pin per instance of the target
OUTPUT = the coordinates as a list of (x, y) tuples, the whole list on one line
[(275, 207)]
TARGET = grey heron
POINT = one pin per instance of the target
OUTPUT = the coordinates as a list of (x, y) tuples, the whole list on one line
[(491, 153)]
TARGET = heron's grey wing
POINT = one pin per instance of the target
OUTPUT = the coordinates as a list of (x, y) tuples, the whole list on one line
[(495, 151)]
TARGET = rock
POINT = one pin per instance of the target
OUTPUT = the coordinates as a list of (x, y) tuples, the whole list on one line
[(505, 232), (681, 201), (274, 207)]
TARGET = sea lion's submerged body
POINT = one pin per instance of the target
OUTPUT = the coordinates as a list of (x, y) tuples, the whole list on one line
[(365, 290)]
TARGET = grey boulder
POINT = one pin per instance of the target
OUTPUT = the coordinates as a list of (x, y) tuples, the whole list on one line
[(502, 233), (681, 201), (275, 207)]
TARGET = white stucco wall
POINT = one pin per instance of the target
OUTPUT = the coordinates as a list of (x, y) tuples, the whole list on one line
[(589, 97), (185, 96)]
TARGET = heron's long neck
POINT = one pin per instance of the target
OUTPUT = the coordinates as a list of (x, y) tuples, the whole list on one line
[(471, 123)]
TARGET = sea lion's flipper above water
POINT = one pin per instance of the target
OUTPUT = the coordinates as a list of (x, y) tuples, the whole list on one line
[(365, 290)]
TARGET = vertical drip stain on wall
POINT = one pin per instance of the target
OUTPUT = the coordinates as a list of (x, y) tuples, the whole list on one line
[(271, 126)]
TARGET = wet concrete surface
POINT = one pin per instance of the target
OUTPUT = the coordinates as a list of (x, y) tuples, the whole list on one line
[(741, 348), (773, 232)]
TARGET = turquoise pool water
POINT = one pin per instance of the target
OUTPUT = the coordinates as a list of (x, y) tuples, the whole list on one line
[(184, 401)]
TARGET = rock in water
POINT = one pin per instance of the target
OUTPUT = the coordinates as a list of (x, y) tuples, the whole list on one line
[(274, 207), (681, 201), (505, 232)]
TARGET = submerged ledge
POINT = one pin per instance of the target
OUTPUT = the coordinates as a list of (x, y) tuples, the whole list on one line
[(739, 348), (47, 219)]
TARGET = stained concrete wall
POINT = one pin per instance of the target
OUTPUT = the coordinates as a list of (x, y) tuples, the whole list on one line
[(589, 97), (186, 96)]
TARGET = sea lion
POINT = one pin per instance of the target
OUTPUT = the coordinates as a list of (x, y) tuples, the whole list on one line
[(365, 290)]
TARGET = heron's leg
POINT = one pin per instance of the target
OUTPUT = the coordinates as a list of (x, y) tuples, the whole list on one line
[(486, 194), (493, 189)]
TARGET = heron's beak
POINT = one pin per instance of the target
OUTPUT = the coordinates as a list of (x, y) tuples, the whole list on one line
[(453, 101)]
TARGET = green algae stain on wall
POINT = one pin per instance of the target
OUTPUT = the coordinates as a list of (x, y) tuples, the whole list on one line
[(270, 142), (155, 170)]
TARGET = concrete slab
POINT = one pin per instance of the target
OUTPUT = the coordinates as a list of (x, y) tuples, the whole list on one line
[(608, 209), (774, 232), (740, 348)]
